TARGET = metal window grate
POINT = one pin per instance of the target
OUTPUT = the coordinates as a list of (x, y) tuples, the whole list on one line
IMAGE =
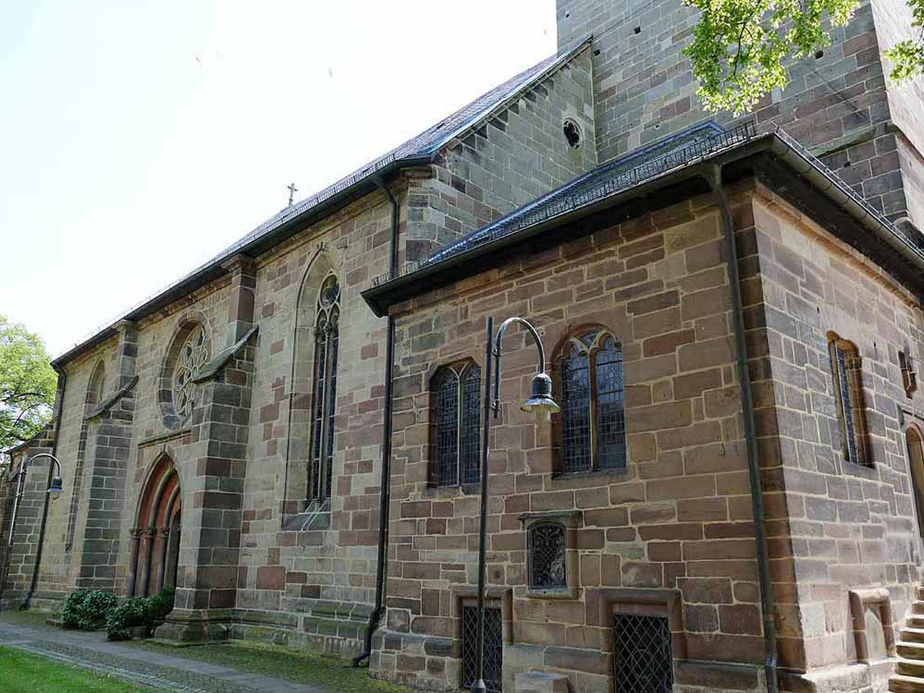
[(547, 555), (642, 661), (493, 648), (845, 401)]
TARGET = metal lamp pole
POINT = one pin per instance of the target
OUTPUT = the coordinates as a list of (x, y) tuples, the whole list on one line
[(541, 403), (54, 487)]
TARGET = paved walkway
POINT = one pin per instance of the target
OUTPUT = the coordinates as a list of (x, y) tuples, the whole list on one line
[(141, 667)]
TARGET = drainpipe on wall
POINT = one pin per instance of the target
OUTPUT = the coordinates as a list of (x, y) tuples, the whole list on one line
[(385, 484), (62, 381), (713, 176)]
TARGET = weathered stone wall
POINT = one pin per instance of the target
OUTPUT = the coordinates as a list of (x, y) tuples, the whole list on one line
[(507, 161), (676, 525), (836, 104), (849, 526)]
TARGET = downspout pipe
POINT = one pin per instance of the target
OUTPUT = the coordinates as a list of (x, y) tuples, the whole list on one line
[(713, 176), (62, 381), (385, 483)]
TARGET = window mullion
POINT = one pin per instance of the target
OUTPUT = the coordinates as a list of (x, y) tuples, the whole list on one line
[(460, 427)]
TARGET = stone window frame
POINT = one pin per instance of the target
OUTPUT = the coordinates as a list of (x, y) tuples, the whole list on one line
[(186, 326), (463, 369), (644, 602), (574, 337), (860, 601), (909, 375), (854, 448), (325, 367), (571, 520), (495, 596)]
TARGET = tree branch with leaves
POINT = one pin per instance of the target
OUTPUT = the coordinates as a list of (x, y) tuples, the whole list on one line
[(740, 47), (27, 384)]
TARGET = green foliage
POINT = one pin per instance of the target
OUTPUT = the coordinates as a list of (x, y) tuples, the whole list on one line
[(138, 611), (27, 384), (87, 609), (135, 611), (162, 603), (740, 47), (907, 56)]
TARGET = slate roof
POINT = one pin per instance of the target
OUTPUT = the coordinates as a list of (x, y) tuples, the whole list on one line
[(661, 163), (418, 150), (628, 170)]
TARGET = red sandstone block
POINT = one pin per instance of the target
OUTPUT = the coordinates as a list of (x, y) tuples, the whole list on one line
[(271, 577)]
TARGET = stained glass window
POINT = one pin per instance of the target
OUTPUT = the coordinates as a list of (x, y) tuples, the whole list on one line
[(456, 435), (593, 423), (324, 395)]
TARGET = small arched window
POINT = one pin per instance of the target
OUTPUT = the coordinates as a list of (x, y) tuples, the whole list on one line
[(547, 555), (324, 393), (455, 429), (847, 373), (593, 421)]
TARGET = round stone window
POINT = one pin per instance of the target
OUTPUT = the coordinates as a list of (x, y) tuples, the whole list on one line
[(573, 135), (193, 355)]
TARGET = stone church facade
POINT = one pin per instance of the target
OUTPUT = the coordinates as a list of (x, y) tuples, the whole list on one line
[(731, 497)]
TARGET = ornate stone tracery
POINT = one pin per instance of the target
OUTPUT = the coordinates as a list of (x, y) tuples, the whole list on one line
[(193, 355)]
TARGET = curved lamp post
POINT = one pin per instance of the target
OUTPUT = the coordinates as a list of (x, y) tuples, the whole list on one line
[(54, 487), (540, 402)]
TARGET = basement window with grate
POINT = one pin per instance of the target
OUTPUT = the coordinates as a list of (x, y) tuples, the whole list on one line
[(493, 673), (642, 659)]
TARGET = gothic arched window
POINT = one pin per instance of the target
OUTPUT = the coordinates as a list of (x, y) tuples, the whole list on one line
[(455, 434), (192, 356), (326, 335), (593, 421), (847, 373)]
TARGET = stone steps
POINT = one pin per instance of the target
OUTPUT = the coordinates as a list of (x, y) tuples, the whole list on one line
[(909, 667)]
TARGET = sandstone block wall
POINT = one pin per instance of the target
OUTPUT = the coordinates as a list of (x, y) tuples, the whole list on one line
[(676, 524), (839, 525), (506, 162), (837, 104)]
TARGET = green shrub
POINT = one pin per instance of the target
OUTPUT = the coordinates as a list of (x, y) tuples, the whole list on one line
[(162, 603), (87, 609), (134, 611)]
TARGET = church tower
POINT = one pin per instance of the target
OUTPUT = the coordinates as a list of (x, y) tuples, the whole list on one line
[(839, 103)]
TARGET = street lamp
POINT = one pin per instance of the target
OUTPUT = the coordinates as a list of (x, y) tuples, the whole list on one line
[(540, 403), (53, 487)]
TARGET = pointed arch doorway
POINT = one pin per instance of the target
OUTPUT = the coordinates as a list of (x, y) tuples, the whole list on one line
[(156, 536), (914, 440)]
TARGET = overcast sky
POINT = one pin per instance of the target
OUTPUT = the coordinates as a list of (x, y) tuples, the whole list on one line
[(137, 139)]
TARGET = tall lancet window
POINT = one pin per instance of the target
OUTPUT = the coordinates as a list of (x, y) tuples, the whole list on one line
[(326, 335), (593, 419)]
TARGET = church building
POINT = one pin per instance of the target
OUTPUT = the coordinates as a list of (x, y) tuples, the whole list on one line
[(731, 497)]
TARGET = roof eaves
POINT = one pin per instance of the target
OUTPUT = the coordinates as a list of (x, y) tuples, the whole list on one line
[(383, 295)]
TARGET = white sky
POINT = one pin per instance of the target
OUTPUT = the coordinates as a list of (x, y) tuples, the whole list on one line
[(137, 139)]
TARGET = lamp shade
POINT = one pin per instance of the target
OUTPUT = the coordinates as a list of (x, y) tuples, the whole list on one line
[(55, 485), (540, 398)]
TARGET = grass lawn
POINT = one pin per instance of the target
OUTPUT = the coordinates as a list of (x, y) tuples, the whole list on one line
[(22, 671), (271, 660)]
